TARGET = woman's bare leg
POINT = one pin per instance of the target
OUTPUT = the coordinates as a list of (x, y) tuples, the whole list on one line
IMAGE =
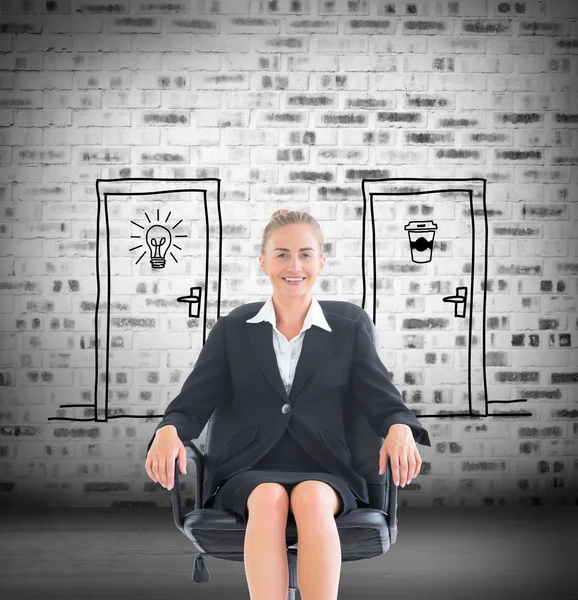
[(265, 550), (314, 505)]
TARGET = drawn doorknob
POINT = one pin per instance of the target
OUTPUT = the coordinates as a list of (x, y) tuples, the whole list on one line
[(459, 301)]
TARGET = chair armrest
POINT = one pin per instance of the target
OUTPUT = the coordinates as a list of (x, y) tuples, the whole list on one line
[(193, 453), (391, 503)]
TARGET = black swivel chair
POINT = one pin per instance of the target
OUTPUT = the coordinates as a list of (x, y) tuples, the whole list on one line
[(365, 532)]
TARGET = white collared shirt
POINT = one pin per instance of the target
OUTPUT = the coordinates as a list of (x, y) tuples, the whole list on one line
[(288, 352)]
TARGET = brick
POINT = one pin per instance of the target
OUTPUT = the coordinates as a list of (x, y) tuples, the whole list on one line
[(561, 45), (44, 118), (341, 119), (20, 99), (311, 25), (239, 62), (129, 24), (328, 44), (75, 61), (338, 81), (377, 26), (542, 138), (486, 26), (217, 155), (344, 7), (41, 81), (544, 211), (525, 156), (531, 119), (21, 26), (224, 7), (405, 119), (104, 8), (102, 118), (6, 43), (168, 155), (44, 155), (102, 42), (562, 9), (451, 82), (291, 81), (102, 156), (75, 24), (203, 137), (483, 138), (341, 155), (88, 99), (161, 43), (192, 25), (543, 27), (222, 119), (251, 25), (190, 100), (230, 44), (98, 80), (44, 377), (544, 175)]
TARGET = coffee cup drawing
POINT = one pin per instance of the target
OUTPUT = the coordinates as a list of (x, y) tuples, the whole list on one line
[(421, 237)]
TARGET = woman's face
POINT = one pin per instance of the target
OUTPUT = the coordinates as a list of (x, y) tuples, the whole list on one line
[(292, 251)]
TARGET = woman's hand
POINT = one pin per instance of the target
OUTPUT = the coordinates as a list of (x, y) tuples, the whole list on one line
[(160, 462), (400, 447)]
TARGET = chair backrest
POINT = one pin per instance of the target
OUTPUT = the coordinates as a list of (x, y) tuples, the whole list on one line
[(364, 444)]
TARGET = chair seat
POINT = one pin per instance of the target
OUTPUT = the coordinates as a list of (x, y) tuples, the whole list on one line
[(363, 532)]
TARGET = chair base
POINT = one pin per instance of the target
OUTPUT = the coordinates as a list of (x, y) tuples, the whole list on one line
[(292, 564)]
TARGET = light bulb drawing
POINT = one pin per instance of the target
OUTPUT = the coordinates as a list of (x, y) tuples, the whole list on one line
[(158, 239)]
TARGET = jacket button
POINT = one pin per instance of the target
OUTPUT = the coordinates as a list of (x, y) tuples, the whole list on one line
[(286, 408)]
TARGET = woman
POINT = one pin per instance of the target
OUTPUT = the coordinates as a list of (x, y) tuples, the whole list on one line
[(287, 478)]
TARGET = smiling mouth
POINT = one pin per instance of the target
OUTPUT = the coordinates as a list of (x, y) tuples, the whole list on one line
[(291, 280)]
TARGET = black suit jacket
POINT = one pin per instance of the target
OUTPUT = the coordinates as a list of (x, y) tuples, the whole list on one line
[(237, 374)]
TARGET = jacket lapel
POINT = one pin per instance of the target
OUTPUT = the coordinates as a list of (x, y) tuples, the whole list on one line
[(315, 344)]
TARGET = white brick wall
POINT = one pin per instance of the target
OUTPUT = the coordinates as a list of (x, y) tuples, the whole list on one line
[(289, 104)]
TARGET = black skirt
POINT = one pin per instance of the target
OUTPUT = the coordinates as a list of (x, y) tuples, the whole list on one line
[(286, 463)]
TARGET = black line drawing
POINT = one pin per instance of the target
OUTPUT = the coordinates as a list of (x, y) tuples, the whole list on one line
[(425, 254), (193, 299), (158, 239), (421, 237), (208, 190), (460, 301), (412, 191)]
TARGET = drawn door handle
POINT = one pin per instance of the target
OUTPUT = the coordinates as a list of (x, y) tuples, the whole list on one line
[(194, 301), (459, 301)]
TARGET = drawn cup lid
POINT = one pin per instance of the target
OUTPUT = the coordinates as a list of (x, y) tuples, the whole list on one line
[(421, 225)]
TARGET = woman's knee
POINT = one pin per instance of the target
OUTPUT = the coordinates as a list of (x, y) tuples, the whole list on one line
[(313, 497), (268, 498)]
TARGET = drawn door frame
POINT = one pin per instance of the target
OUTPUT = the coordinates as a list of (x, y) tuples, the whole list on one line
[(476, 189), (210, 188)]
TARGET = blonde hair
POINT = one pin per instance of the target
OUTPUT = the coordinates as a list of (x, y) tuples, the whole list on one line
[(282, 217)]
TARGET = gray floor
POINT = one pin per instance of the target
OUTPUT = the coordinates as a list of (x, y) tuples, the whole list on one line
[(440, 553)]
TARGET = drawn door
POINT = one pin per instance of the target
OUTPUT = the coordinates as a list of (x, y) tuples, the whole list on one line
[(427, 247), (158, 291)]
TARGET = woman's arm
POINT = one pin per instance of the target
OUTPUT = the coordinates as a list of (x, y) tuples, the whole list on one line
[(371, 385)]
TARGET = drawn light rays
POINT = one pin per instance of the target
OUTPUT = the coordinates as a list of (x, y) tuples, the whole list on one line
[(158, 239)]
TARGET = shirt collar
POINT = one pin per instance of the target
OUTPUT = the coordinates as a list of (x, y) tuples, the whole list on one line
[(315, 315)]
